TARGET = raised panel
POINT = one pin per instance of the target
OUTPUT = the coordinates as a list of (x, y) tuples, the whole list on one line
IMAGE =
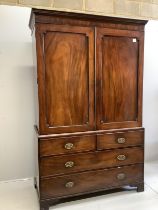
[(66, 62), (119, 79), (67, 78), (119, 75)]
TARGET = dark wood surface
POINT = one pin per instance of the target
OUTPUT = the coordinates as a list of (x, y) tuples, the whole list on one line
[(101, 132), (90, 181), (67, 88), (89, 107), (66, 60), (65, 78), (120, 139), (99, 192), (119, 78), (57, 146), (77, 19), (117, 88), (90, 160)]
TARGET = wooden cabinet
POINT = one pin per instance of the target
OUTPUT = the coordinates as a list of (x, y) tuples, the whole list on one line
[(89, 104)]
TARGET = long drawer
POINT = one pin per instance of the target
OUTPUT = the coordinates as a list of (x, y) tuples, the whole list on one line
[(64, 145), (120, 139), (91, 181), (66, 164)]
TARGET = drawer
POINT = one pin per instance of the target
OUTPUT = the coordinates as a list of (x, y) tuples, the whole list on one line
[(66, 164), (67, 145), (91, 181), (120, 139)]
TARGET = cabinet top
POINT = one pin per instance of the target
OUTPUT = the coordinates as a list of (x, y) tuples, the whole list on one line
[(58, 17)]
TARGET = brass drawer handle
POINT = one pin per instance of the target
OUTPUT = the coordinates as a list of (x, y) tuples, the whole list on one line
[(121, 176), (121, 157), (69, 164), (69, 146), (121, 140), (69, 184)]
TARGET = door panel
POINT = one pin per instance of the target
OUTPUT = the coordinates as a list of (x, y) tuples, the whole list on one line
[(67, 78), (119, 78)]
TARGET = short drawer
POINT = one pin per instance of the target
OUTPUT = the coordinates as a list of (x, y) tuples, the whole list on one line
[(120, 139), (67, 145), (91, 181), (66, 164)]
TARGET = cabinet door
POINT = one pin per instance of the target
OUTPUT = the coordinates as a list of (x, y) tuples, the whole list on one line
[(65, 58), (119, 78)]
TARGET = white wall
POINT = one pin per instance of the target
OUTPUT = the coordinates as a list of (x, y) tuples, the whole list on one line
[(150, 113), (17, 98), (16, 94)]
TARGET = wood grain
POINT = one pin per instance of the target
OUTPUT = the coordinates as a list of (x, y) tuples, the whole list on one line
[(77, 19), (66, 61), (65, 78), (56, 146), (90, 181), (119, 78), (91, 160), (110, 140)]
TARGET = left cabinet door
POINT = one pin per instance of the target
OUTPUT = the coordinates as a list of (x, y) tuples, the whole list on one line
[(65, 69)]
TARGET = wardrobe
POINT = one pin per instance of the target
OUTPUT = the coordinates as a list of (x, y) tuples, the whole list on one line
[(88, 90)]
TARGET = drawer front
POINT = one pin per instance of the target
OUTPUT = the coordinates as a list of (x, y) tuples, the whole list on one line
[(91, 181), (120, 139), (66, 164), (67, 145)]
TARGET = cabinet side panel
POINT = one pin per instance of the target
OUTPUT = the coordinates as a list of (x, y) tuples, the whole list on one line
[(35, 79)]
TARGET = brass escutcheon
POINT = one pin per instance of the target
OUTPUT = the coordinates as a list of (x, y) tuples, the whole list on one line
[(121, 176), (121, 157), (69, 164), (69, 146), (69, 184), (121, 140)]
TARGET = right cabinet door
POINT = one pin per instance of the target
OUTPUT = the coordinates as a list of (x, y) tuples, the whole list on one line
[(119, 74)]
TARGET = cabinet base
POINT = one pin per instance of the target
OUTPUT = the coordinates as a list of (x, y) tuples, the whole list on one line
[(44, 205), (140, 187)]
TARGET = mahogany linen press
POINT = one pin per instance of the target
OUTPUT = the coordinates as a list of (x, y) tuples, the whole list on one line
[(89, 85)]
